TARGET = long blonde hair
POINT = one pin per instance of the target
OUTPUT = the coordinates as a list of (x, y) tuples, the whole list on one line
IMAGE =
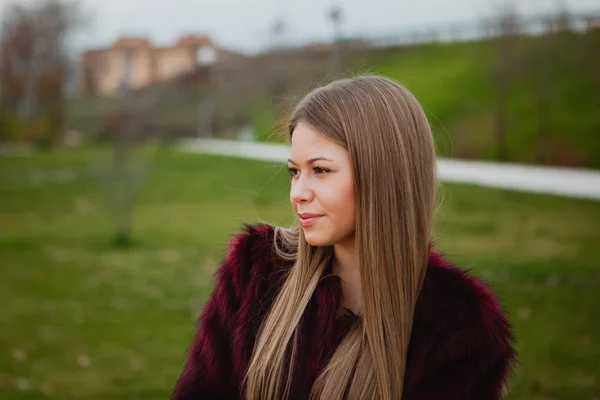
[(389, 140)]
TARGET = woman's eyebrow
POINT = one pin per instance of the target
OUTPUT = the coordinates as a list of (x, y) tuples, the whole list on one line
[(312, 160)]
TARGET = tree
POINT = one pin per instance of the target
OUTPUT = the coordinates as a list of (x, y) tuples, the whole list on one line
[(508, 25), (34, 62), (548, 51)]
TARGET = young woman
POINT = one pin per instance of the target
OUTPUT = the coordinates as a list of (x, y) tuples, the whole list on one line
[(353, 302)]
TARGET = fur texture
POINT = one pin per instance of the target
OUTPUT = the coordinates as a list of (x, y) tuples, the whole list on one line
[(461, 345)]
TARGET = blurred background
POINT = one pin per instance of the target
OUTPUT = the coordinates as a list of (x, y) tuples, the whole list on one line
[(114, 216)]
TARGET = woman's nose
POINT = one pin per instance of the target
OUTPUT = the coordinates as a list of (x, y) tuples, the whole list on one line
[(300, 191)]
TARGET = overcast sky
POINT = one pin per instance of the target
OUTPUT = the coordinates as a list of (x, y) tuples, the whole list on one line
[(245, 25)]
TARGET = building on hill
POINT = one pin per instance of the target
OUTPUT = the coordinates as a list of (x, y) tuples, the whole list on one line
[(133, 62)]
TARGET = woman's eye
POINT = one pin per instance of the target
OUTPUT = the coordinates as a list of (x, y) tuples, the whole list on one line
[(293, 171), (319, 170)]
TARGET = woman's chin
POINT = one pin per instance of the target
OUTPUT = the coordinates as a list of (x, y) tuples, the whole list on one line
[(316, 239)]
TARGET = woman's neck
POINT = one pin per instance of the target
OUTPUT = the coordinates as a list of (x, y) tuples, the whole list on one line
[(345, 265)]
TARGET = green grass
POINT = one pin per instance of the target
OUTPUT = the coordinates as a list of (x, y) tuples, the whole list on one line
[(71, 299)]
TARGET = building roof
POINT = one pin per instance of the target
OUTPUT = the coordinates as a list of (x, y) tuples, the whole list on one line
[(132, 41), (142, 43), (194, 40)]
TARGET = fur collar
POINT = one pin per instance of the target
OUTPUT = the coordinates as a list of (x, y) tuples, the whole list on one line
[(461, 344)]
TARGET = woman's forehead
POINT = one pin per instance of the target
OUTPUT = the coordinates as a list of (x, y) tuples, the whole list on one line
[(306, 138)]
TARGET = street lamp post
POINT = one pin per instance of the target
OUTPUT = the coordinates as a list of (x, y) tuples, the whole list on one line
[(335, 15)]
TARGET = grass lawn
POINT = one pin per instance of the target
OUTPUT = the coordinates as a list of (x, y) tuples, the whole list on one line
[(84, 320)]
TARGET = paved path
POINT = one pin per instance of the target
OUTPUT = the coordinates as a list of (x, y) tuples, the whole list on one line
[(559, 181)]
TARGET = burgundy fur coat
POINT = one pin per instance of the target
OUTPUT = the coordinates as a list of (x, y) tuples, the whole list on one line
[(461, 346)]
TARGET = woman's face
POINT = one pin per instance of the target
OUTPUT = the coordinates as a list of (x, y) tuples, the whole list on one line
[(322, 184)]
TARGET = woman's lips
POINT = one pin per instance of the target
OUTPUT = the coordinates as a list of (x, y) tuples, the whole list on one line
[(309, 221)]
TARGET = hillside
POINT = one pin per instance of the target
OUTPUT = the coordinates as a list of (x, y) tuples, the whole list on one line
[(455, 83), (552, 95)]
